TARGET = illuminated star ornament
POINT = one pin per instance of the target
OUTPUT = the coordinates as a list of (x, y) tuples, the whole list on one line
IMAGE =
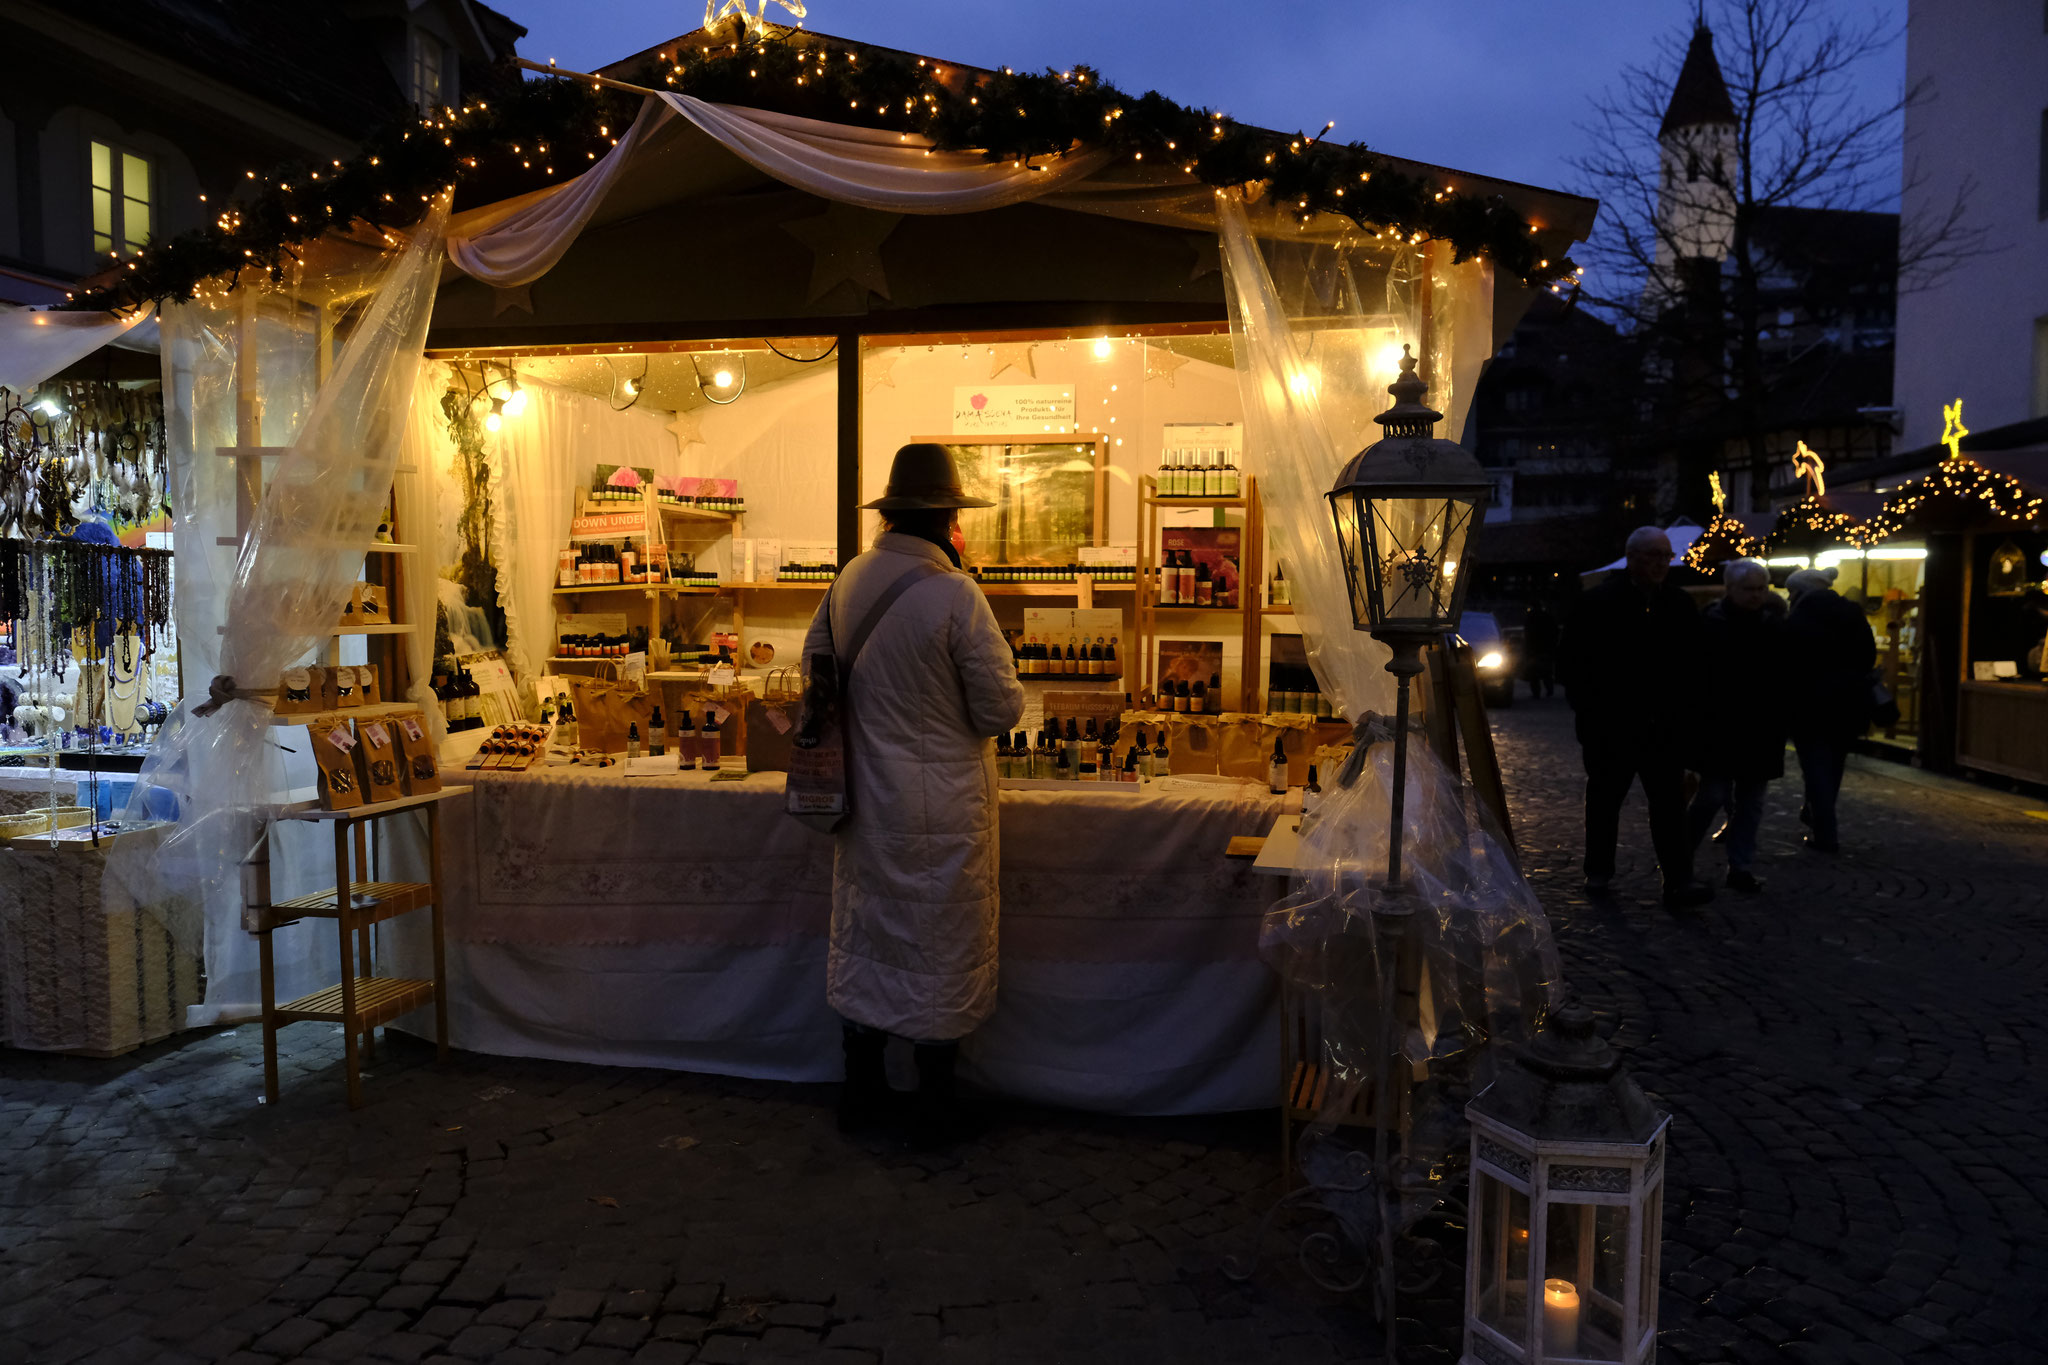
[(687, 431), (716, 12), (1714, 489), (1160, 363), (878, 371), (1809, 466), (1952, 429)]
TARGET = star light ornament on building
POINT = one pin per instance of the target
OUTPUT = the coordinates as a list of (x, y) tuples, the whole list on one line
[(1952, 429), (1809, 466), (715, 13)]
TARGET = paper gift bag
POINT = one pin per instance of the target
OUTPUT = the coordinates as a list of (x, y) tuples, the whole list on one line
[(334, 745), (419, 767), (367, 687), (348, 691), (1194, 744), (300, 691), (373, 605), (377, 761), (1246, 749), (771, 721), (606, 708)]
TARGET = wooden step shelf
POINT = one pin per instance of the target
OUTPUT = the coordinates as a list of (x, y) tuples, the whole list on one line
[(379, 1000), (369, 902)]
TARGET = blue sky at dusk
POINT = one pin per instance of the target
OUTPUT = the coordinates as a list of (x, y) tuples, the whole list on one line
[(1492, 86)]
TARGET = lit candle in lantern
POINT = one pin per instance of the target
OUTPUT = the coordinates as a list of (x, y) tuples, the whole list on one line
[(1560, 1318)]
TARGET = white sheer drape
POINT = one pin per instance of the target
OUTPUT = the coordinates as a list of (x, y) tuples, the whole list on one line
[(1317, 331), (539, 460)]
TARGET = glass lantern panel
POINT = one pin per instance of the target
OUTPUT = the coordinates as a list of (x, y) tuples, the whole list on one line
[(1346, 509), (1418, 549), (1580, 1320), (1651, 1234), (1501, 1296)]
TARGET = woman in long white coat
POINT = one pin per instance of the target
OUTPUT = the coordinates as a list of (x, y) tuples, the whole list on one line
[(914, 895)]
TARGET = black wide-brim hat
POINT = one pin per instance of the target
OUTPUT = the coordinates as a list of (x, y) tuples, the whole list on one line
[(923, 476)]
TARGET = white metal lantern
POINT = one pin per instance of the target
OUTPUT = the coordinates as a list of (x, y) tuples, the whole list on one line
[(1567, 1207), (1405, 507)]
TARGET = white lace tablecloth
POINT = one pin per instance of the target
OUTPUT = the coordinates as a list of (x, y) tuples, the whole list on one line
[(671, 921)]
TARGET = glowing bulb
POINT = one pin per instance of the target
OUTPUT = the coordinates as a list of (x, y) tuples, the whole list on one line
[(516, 404), (1102, 348), (1388, 359), (492, 421), (630, 387), (723, 379)]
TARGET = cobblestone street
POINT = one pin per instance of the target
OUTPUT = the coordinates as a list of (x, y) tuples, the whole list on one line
[(1858, 1168)]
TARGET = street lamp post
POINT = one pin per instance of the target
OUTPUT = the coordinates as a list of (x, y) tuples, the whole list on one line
[(1405, 507)]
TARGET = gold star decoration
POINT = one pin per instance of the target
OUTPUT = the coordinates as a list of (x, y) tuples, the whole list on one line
[(687, 431), (876, 371), (1714, 490), (504, 300), (1952, 429), (715, 13), (846, 242), (1013, 355), (1161, 363)]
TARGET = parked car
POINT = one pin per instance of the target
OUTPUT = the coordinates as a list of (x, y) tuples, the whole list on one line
[(1495, 658)]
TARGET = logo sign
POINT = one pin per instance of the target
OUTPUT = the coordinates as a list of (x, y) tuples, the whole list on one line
[(1014, 409)]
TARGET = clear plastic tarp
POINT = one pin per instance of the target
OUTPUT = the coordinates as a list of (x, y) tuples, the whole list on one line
[(309, 378)]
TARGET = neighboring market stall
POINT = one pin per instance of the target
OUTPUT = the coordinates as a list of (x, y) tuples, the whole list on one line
[(624, 431)]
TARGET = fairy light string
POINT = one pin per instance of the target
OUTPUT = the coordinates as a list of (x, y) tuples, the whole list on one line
[(532, 133)]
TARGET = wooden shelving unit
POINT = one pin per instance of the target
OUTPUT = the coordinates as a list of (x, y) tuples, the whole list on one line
[(362, 1001), (1250, 581)]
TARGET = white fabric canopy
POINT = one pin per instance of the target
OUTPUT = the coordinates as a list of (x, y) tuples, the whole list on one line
[(37, 344)]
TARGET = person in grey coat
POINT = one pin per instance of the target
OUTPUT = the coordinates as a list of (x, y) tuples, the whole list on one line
[(914, 896), (1833, 657)]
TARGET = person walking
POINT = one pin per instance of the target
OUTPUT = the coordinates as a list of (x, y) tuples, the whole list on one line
[(1832, 654), (1539, 650), (914, 894), (1740, 741), (1629, 660)]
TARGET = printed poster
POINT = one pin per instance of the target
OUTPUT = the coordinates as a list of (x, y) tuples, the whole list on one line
[(1013, 409)]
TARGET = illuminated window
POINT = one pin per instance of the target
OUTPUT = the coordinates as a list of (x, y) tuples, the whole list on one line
[(121, 196), (427, 71)]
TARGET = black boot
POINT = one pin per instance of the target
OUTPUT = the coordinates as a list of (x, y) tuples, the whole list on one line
[(939, 1118), (865, 1100)]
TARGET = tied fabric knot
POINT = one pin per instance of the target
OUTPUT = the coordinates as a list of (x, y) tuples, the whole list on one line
[(1372, 728), (219, 693)]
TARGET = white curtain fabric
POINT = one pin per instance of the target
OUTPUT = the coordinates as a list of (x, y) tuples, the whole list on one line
[(1317, 330), (538, 462), (877, 169), (517, 241), (37, 343), (323, 497), (416, 498)]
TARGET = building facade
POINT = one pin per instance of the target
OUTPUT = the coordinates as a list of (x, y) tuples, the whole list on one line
[(120, 120), (1982, 333)]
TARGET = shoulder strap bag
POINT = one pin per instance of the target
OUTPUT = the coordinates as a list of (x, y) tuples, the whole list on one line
[(819, 790)]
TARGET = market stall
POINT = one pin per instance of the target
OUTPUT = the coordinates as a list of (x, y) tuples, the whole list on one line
[(616, 451)]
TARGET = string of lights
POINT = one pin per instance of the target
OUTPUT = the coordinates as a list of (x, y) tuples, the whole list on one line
[(1724, 539), (538, 132)]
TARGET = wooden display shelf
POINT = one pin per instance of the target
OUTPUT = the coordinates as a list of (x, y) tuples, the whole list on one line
[(379, 901), (674, 589), (312, 810), (1198, 502), (390, 547), (379, 1000), (376, 711), (696, 513), (818, 586), (394, 628)]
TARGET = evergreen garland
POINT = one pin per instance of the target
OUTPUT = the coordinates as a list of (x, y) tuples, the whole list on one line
[(1811, 522), (537, 132), (1724, 539)]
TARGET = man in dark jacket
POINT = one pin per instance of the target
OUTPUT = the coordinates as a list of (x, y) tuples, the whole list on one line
[(1629, 661), (1833, 654), (1741, 736)]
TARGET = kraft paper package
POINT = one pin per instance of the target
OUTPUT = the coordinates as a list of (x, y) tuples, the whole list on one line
[(377, 761), (373, 605), (301, 691), (367, 685), (1195, 745), (334, 746), (1248, 746), (605, 708), (419, 767), (346, 694), (352, 610)]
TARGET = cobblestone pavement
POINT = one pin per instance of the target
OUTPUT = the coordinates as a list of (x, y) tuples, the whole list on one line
[(1855, 1061), (1857, 1162)]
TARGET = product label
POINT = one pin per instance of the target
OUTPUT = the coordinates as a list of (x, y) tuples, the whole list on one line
[(376, 736), (723, 675), (341, 739), (718, 713), (1014, 409), (412, 729), (778, 718)]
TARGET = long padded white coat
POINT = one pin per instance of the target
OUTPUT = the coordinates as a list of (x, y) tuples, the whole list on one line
[(914, 896)]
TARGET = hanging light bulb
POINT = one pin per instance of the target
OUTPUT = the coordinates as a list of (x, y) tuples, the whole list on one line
[(723, 379), (1102, 348), (493, 422), (515, 402)]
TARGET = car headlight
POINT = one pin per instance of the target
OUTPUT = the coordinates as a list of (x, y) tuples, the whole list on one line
[(1490, 659)]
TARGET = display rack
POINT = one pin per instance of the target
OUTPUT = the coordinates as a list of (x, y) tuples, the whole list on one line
[(1249, 610), (359, 900)]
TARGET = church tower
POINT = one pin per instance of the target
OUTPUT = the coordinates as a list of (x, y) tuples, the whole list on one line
[(1700, 164)]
